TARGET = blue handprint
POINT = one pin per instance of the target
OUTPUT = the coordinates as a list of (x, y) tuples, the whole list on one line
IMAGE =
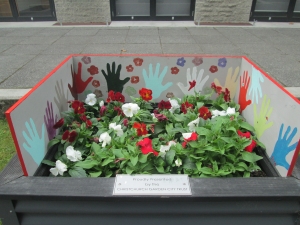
[(283, 147), (34, 145), (255, 87), (154, 81)]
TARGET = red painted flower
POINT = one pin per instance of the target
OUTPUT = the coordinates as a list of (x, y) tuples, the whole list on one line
[(204, 113), (93, 70), (192, 84), (174, 70), (59, 123), (246, 134), (138, 61), (69, 136), (186, 105), (140, 128), (250, 147), (164, 105), (96, 83), (227, 95), (78, 107), (217, 89), (134, 79), (119, 97), (129, 68), (213, 69), (146, 146), (146, 94)]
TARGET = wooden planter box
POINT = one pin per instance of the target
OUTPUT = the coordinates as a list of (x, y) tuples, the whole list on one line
[(42, 200)]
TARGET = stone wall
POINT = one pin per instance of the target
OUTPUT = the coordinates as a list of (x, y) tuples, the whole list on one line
[(222, 11), (82, 11)]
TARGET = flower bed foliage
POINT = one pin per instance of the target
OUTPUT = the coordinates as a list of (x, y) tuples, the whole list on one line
[(199, 135)]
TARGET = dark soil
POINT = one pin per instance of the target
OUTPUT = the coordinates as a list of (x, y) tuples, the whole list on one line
[(258, 173)]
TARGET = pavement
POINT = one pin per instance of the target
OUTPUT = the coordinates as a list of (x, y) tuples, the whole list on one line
[(30, 50)]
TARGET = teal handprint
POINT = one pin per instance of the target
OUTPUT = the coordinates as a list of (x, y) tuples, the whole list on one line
[(34, 145), (255, 87), (154, 81), (283, 146)]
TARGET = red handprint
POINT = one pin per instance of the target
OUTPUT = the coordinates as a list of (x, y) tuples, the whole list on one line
[(78, 84), (244, 84)]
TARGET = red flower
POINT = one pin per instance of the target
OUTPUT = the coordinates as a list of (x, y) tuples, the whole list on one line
[(88, 123), (138, 61), (140, 128), (192, 84), (96, 83), (213, 69), (78, 107), (111, 96), (83, 118), (118, 110), (146, 94), (69, 136), (125, 122), (186, 105), (174, 70), (227, 95), (129, 68), (102, 110), (217, 89), (164, 105), (160, 117), (204, 113), (146, 146), (93, 70), (119, 97), (58, 123), (246, 134), (250, 147), (193, 137), (134, 79)]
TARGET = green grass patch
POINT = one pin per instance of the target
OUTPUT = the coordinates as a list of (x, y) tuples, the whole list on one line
[(7, 147)]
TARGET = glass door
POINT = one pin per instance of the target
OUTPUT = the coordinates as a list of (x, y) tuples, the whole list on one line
[(174, 9), (296, 13), (5, 10)]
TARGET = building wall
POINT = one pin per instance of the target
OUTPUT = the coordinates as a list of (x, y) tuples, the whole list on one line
[(82, 11), (222, 11)]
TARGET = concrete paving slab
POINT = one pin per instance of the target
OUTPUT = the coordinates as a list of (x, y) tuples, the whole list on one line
[(5, 31), (289, 78), (207, 39), (242, 38), (22, 32), (11, 40), (109, 39), (289, 48), (82, 31), (103, 49), (279, 40), (113, 32), (203, 31), (173, 32), (143, 39), (53, 31), (12, 94), (73, 40), (39, 40), (6, 72), (183, 39), (143, 31), (143, 49), (4, 47), (25, 49), (14, 61), (181, 48), (260, 48), (58, 49), (225, 49)]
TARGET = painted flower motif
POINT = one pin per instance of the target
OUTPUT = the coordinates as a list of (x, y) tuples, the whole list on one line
[(197, 61), (204, 113), (146, 94), (146, 146), (91, 99), (181, 61), (134, 79), (141, 128), (130, 90), (59, 123), (193, 124), (129, 68), (86, 59), (174, 70), (186, 105), (217, 89), (78, 107), (69, 136), (213, 69), (245, 134), (96, 83), (230, 111), (164, 148), (170, 95), (130, 109), (174, 105), (250, 147), (138, 61), (164, 105), (72, 154), (222, 62), (105, 138), (98, 93), (59, 168), (216, 113), (93, 70), (178, 162), (116, 128)]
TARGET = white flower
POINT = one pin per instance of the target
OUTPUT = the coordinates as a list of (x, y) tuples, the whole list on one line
[(101, 103), (117, 129), (218, 113), (73, 155), (91, 99), (164, 148), (193, 124), (178, 162), (230, 111), (59, 168), (174, 105), (105, 138), (130, 109), (186, 135)]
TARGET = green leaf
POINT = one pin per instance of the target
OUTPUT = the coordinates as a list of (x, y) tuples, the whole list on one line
[(95, 174), (160, 169), (188, 164), (118, 153), (143, 158), (205, 170), (107, 161), (52, 142), (203, 131), (87, 164), (48, 162), (198, 165), (134, 160), (260, 144), (250, 157), (169, 129), (224, 106), (170, 156), (129, 170), (95, 147), (77, 172), (159, 128), (232, 129), (246, 174), (247, 126)]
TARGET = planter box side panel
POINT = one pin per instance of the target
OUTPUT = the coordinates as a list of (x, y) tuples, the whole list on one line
[(272, 112)]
